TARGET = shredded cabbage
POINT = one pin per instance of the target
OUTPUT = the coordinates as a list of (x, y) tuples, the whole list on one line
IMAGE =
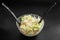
[(30, 24)]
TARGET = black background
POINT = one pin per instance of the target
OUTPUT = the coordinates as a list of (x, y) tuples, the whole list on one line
[(51, 30)]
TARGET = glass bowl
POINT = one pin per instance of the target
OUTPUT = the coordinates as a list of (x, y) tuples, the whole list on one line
[(40, 26)]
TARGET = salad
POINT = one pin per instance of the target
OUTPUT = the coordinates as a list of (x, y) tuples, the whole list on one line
[(30, 24)]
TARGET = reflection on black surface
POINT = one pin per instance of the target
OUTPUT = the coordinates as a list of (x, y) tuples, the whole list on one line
[(27, 38)]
